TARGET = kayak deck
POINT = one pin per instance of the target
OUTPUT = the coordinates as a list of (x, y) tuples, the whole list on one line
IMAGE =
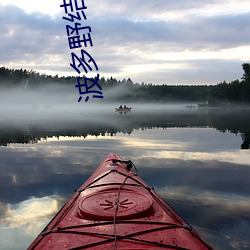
[(116, 209)]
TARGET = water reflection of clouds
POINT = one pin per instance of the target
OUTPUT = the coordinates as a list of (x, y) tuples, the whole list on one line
[(185, 139), (234, 156), (33, 209), (197, 168), (21, 223), (232, 204), (226, 216)]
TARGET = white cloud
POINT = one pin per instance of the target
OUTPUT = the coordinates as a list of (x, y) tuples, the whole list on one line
[(156, 41), (45, 6)]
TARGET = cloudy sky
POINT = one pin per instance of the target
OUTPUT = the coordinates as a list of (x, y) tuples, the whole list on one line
[(160, 41)]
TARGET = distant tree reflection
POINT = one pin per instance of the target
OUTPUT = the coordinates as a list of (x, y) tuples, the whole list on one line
[(233, 122), (246, 141)]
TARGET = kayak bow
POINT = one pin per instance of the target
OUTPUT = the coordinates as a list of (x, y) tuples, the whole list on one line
[(116, 209)]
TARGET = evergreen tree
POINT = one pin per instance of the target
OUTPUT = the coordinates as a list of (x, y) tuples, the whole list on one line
[(246, 69)]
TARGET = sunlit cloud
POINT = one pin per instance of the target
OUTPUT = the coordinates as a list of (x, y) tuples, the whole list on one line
[(225, 7), (48, 7), (222, 156), (148, 144), (186, 55)]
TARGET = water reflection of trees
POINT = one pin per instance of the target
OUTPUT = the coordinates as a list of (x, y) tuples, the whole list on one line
[(222, 120)]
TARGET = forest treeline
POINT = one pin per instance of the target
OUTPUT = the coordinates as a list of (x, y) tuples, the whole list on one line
[(236, 91)]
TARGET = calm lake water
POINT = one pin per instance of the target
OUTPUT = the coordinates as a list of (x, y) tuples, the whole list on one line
[(197, 160)]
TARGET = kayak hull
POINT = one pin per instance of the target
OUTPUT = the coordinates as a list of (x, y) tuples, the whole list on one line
[(116, 209)]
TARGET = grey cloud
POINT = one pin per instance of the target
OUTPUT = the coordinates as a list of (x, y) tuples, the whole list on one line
[(224, 31), (29, 37), (121, 38), (116, 30), (143, 8), (12, 16), (220, 31), (125, 31)]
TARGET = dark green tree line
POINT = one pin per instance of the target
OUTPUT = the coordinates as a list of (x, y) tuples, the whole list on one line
[(236, 91)]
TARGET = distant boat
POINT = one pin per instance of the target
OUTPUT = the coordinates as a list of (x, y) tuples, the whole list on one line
[(125, 110)]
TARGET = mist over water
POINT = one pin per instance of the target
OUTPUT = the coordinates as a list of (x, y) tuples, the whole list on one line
[(50, 143), (60, 102), (55, 110)]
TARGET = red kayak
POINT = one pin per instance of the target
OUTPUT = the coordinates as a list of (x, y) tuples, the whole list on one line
[(116, 209)]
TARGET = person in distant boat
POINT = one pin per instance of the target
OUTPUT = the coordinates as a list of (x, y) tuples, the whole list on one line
[(125, 106), (120, 107)]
